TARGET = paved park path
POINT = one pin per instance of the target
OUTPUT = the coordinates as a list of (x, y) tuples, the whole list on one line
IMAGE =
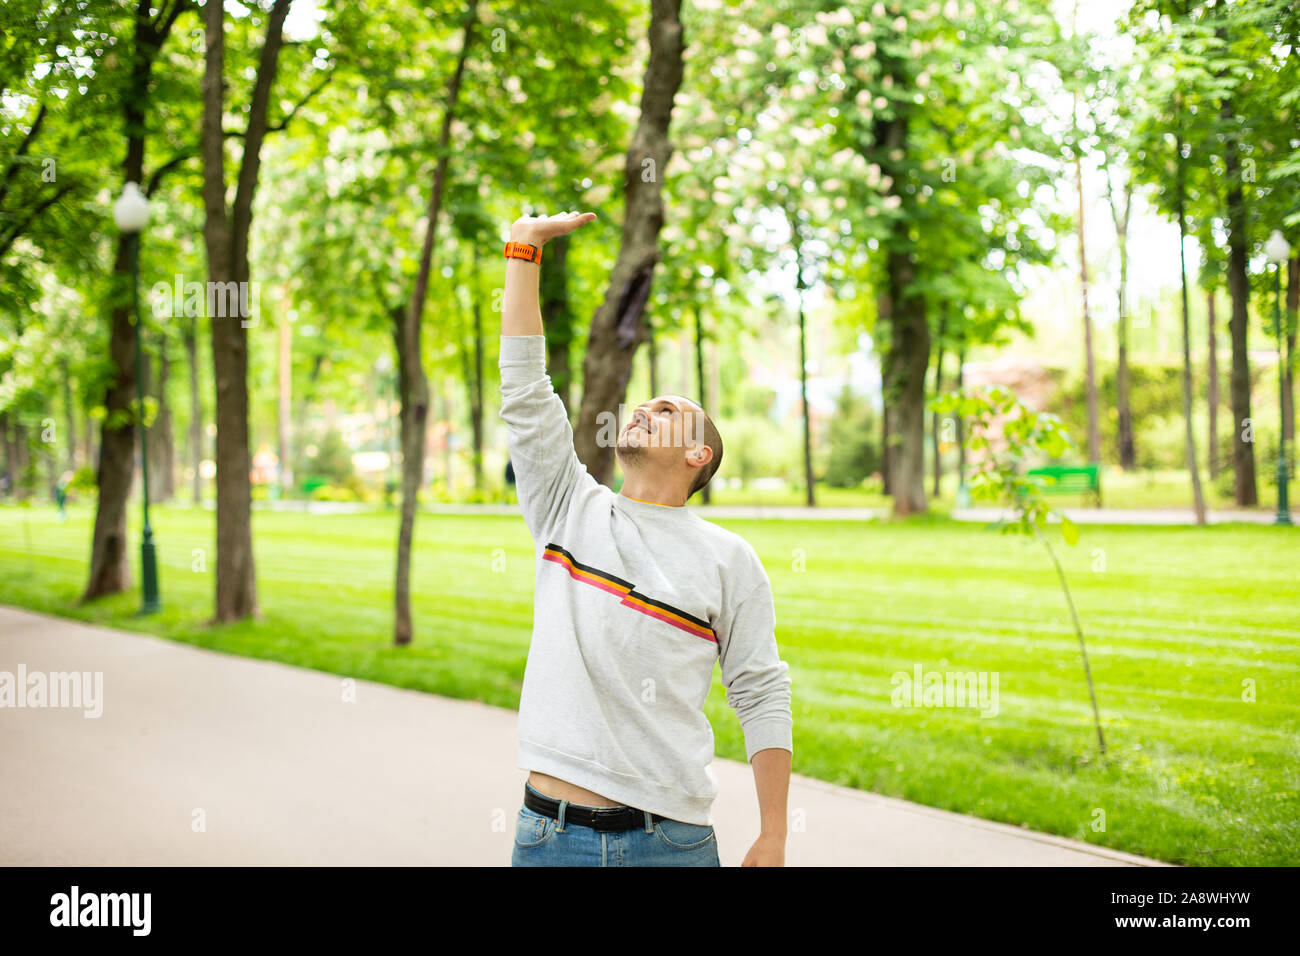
[(280, 771)]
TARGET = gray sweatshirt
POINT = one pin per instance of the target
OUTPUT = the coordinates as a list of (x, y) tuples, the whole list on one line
[(634, 602)]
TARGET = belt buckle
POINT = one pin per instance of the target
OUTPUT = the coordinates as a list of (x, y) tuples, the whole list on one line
[(607, 815)]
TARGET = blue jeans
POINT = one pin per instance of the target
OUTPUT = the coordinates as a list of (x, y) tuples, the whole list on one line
[(547, 841)]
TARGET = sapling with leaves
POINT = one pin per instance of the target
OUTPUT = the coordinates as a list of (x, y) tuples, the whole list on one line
[(998, 477)]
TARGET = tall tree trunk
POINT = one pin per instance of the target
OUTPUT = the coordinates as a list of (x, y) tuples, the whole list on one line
[(801, 287), (1212, 388), (414, 386), (1094, 428), (961, 423), (284, 404), (24, 472), (910, 354), (225, 236), (617, 327), (7, 470), (880, 343), (110, 572), (476, 404), (472, 373), (1198, 499), (699, 378), (162, 442), (196, 408), (87, 439), (413, 413), (938, 390), (803, 404), (906, 356), (886, 447), (70, 415), (557, 317), (1127, 449), (653, 357), (1124, 406), (448, 416), (1243, 450), (714, 361), (1288, 391), (51, 475)]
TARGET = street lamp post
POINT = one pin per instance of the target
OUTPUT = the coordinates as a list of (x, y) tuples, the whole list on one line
[(131, 213), (1278, 251)]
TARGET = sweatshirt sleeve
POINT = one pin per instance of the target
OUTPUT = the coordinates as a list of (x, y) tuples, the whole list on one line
[(757, 680), (538, 435)]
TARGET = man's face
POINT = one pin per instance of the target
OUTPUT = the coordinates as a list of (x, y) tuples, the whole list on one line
[(659, 431)]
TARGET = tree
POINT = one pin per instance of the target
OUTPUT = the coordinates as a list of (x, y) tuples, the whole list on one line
[(934, 162), (1243, 450), (1165, 93), (1008, 433), (1221, 67), (109, 571), (1094, 432), (410, 163), (853, 453), (413, 386), (225, 233), (618, 326), (1113, 117)]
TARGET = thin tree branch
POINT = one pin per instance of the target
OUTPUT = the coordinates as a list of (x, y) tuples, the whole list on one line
[(1087, 671), (250, 163), (21, 151), (301, 103), (167, 167), (280, 126), (19, 229), (165, 22)]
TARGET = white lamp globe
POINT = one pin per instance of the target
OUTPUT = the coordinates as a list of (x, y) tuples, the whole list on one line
[(1277, 248), (131, 211)]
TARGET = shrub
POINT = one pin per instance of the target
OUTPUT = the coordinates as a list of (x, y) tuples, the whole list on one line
[(85, 480), (331, 463), (854, 442)]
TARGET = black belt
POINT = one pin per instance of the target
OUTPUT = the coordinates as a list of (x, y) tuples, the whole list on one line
[(603, 819)]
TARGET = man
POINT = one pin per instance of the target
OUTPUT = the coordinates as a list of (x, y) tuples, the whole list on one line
[(636, 599)]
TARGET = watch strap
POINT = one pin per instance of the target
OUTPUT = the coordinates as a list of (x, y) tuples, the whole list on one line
[(523, 250)]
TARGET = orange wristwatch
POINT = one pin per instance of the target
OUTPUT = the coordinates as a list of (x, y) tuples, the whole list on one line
[(523, 250)]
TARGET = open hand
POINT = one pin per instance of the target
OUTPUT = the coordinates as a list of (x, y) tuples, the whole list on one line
[(535, 230)]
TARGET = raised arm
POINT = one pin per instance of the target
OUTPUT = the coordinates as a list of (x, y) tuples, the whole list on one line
[(523, 312), (540, 439)]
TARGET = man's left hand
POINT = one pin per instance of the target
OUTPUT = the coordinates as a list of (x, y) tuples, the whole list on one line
[(768, 850)]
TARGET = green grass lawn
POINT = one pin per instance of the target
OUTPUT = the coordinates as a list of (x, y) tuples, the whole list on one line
[(1178, 621), (1158, 489)]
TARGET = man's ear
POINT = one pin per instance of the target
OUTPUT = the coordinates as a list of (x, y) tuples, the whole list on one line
[(702, 454)]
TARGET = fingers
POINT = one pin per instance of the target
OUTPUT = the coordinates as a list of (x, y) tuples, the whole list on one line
[(558, 217), (557, 224), (577, 220)]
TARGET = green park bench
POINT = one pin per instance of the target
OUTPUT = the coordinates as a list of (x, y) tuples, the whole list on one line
[(1069, 480)]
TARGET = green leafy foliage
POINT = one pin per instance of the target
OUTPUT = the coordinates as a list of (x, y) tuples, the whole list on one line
[(854, 441), (1007, 436)]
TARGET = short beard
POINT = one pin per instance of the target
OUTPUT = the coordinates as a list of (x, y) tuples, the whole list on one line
[(629, 455)]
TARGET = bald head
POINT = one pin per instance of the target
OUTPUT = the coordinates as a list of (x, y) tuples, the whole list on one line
[(673, 435), (705, 434)]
